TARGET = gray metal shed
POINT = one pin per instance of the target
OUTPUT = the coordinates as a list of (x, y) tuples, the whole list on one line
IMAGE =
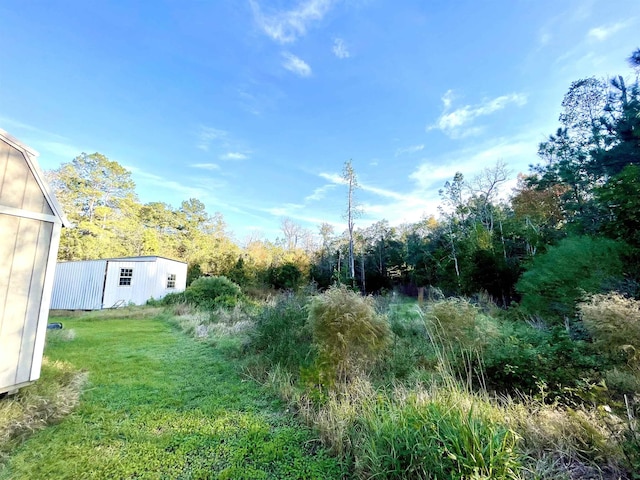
[(30, 223), (115, 282)]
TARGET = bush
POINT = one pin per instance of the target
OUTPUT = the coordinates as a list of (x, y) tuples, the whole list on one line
[(285, 277), (282, 334), (523, 358), (556, 280), (211, 292), (349, 334), (614, 323)]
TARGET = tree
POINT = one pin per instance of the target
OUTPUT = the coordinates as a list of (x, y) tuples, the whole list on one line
[(557, 279), (89, 182), (349, 177), (292, 233), (98, 196), (621, 196)]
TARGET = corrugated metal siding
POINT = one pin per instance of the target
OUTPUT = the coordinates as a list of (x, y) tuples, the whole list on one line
[(165, 268), (149, 280), (141, 288), (78, 285)]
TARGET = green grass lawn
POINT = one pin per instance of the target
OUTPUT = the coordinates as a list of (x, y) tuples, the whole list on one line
[(161, 405)]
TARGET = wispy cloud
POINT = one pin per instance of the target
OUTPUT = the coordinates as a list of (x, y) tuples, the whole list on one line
[(285, 210), (206, 166), (234, 156), (409, 150), (517, 151), (320, 192), (338, 180), (340, 49), (603, 32), (207, 135), (296, 65), (456, 123), (286, 26), (188, 191), (333, 178)]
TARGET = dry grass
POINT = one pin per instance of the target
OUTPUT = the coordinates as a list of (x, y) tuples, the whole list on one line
[(614, 323), (49, 399), (221, 323)]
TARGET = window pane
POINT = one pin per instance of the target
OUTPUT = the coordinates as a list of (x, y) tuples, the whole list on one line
[(125, 277)]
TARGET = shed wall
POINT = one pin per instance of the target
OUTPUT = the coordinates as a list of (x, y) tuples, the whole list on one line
[(24, 252), (79, 285), (149, 280), (18, 186)]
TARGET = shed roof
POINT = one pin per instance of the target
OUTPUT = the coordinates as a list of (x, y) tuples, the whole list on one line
[(144, 258), (30, 155)]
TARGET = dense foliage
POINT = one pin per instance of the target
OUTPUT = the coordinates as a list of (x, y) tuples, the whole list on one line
[(212, 292)]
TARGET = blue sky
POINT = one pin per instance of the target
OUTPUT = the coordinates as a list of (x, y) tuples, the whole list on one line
[(253, 106)]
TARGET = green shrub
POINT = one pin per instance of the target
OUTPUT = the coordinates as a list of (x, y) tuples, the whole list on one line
[(169, 299), (523, 358), (211, 292), (556, 280), (282, 334), (349, 334), (285, 277)]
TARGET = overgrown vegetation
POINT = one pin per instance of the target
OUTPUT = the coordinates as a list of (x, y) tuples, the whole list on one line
[(47, 401), (528, 367)]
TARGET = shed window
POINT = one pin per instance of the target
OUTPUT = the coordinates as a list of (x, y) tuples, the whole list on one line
[(171, 280), (125, 277)]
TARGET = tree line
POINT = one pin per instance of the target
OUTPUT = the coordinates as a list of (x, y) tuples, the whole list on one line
[(578, 206)]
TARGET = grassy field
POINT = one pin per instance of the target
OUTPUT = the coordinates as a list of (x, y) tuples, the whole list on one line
[(161, 405)]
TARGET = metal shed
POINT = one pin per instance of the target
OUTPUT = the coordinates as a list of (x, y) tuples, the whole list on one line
[(115, 282), (30, 223)]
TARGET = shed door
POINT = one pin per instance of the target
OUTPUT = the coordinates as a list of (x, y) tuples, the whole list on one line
[(24, 251)]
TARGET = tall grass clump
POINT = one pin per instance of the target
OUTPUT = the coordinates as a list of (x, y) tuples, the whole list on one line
[(348, 333), (614, 323), (453, 321), (445, 435), (282, 334), (49, 399)]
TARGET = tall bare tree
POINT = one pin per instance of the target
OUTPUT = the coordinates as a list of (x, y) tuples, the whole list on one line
[(349, 177)]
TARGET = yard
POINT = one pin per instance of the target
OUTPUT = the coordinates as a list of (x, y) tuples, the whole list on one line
[(159, 404)]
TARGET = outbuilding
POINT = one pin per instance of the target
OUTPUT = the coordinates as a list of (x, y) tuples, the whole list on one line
[(30, 222), (116, 282)]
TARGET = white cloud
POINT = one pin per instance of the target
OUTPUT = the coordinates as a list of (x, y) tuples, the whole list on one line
[(333, 178), (285, 210), (320, 193), (287, 26), (409, 150), (188, 191), (338, 180), (448, 98), (296, 65), (603, 32), (340, 49), (234, 156), (452, 122), (207, 135), (206, 166), (518, 152)]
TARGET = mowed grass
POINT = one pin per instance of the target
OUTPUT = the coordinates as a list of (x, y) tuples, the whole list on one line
[(161, 405)]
